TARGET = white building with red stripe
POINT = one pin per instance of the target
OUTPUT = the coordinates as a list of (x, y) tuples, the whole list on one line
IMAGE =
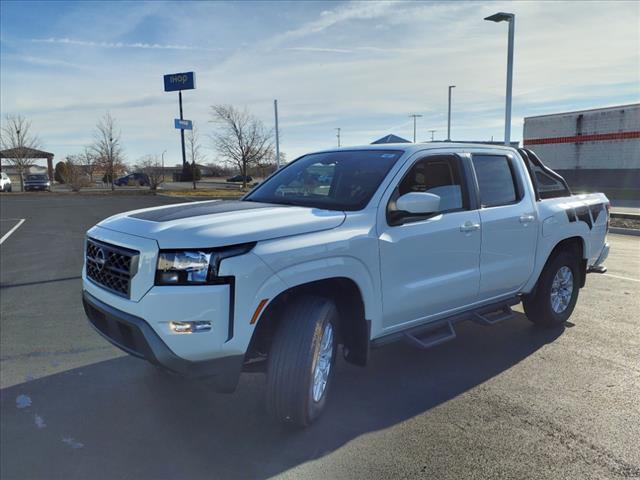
[(596, 149)]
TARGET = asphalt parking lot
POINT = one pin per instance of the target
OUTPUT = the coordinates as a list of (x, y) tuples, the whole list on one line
[(509, 401)]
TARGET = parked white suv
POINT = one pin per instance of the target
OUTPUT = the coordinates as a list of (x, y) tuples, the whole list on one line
[(353, 247), (5, 182)]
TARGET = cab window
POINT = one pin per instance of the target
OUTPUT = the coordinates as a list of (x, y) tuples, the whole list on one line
[(439, 175), (496, 180)]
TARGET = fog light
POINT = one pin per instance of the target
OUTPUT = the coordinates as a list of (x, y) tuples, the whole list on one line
[(190, 327)]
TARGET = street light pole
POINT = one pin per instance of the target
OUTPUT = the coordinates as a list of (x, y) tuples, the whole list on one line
[(338, 135), (414, 115), (451, 87), (511, 18), (432, 134)]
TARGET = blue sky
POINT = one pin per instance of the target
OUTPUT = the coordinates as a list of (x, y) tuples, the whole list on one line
[(361, 66)]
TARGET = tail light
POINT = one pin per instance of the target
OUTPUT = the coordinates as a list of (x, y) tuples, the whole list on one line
[(608, 207)]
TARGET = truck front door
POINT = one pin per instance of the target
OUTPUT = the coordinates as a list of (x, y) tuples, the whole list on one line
[(429, 265)]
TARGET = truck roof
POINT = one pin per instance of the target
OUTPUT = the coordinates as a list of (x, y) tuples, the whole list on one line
[(414, 147)]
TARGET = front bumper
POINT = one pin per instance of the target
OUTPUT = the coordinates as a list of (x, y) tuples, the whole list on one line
[(134, 335)]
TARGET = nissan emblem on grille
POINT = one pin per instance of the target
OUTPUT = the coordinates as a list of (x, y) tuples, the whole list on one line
[(100, 259), (110, 266)]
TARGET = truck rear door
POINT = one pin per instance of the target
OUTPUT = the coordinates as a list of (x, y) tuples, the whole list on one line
[(509, 223)]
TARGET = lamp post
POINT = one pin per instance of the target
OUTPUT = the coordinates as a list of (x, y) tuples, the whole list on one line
[(451, 87), (338, 135), (511, 18)]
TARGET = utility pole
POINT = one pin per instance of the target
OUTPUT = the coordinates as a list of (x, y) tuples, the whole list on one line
[(432, 134), (338, 135), (451, 87), (275, 109), (414, 115), (163, 165)]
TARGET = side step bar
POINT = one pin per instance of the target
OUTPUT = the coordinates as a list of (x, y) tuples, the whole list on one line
[(492, 317), (440, 331), (597, 269), (432, 337)]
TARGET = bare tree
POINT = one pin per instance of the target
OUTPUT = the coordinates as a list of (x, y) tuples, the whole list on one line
[(194, 152), (152, 167), (74, 174), (240, 138), (107, 149), (16, 136), (88, 161)]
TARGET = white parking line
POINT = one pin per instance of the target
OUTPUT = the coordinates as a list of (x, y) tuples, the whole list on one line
[(6, 235), (621, 278)]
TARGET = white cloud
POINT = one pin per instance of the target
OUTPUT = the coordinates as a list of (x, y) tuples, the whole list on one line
[(90, 43), (319, 49)]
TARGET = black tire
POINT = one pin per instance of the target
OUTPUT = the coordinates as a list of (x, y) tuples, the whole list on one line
[(292, 360), (538, 306)]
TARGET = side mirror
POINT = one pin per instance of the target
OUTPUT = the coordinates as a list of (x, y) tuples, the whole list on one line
[(418, 203)]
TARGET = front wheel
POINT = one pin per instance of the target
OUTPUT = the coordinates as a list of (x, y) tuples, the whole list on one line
[(300, 364), (556, 292)]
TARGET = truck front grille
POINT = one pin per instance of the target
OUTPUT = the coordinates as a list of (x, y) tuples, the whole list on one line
[(111, 267)]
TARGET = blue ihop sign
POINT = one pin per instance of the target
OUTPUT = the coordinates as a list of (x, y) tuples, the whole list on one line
[(179, 81), (183, 124)]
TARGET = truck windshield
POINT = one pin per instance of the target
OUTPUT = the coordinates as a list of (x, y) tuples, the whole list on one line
[(342, 180)]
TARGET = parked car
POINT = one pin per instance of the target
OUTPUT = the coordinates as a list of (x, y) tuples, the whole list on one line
[(240, 178), (38, 181), (403, 242), (141, 179), (5, 182)]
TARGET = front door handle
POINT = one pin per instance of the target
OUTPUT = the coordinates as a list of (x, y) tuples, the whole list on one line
[(469, 226), (527, 218)]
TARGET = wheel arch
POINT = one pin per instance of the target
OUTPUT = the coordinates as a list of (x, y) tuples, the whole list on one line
[(575, 244), (354, 328)]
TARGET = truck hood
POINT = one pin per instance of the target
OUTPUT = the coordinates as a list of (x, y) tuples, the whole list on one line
[(217, 223)]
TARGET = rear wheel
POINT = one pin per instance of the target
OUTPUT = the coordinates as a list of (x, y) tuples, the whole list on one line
[(556, 293), (300, 364)]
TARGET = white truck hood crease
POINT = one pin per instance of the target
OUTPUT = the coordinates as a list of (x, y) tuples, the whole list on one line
[(212, 224)]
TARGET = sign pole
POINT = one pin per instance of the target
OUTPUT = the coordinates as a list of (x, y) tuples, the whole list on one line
[(177, 82), (184, 153)]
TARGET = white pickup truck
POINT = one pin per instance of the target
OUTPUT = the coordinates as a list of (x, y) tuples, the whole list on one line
[(353, 247)]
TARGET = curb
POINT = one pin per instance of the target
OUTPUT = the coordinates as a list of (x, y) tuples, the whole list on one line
[(625, 231)]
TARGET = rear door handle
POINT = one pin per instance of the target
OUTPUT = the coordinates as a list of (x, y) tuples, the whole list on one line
[(527, 218), (469, 226)]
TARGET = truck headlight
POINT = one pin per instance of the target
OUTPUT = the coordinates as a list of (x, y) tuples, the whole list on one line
[(194, 267)]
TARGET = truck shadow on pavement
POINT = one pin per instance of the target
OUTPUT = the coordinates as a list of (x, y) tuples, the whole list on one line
[(122, 418)]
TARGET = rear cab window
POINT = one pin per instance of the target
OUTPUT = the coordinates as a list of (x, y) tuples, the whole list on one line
[(496, 178)]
